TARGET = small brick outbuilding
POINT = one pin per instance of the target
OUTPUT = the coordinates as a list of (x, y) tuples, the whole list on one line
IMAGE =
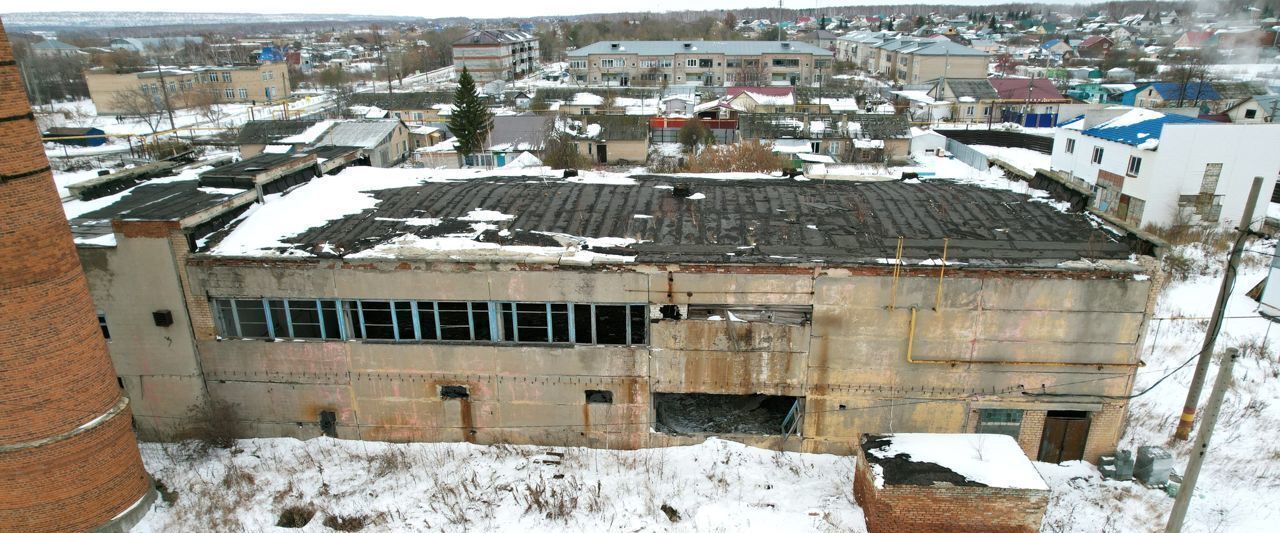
[(948, 483)]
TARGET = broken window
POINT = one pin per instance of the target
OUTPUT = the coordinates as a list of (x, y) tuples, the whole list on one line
[(599, 396), (454, 392), (758, 414), (793, 315), (269, 319), (411, 321), (1000, 422), (102, 324)]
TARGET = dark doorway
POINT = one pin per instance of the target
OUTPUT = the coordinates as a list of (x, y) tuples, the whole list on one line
[(1064, 436), (602, 153)]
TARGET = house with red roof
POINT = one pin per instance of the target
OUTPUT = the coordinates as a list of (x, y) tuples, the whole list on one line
[(1193, 39), (1033, 102), (1095, 46)]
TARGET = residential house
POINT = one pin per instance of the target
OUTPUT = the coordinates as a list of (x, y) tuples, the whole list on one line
[(1095, 46), (859, 48), (255, 135), (610, 139), (712, 63), (512, 136), (496, 55), (1194, 93), (1150, 167), (914, 60), (972, 100), (1057, 48), (1029, 102), (385, 142), (1193, 39), (1256, 109), (840, 135), (823, 39), (413, 107)]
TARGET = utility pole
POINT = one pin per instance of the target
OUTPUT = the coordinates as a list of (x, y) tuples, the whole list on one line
[(1201, 447), (164, 90), (1188, 418)]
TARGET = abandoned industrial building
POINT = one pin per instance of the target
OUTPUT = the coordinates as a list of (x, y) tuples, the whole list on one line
[(620, 311)]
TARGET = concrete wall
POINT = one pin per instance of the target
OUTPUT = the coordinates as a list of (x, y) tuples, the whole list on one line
[(157, 365), (849, 364)]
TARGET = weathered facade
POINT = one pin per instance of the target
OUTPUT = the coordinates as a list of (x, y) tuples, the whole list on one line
[(119, 92), (712, 63), (775, 321)]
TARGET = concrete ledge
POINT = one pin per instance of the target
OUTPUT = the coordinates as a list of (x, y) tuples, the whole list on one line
[(130, 517)]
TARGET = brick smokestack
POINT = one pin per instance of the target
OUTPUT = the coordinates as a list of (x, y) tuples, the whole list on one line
[(68, 457)]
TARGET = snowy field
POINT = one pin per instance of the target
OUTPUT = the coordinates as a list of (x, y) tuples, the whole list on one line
[(1021, 158), (715, 486)]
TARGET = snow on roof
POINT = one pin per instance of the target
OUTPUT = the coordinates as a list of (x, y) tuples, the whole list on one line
[(982, 459), (586, 99), (916, 96), (815, 158), (524, 160), (1139, 126), (309, 135), (792, 146)]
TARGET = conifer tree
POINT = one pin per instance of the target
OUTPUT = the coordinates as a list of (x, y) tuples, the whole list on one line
[(471, 120)]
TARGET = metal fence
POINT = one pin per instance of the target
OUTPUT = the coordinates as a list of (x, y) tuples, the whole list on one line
[(967, 155)]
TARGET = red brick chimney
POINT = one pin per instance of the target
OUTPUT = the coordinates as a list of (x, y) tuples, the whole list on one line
[(68, 457)]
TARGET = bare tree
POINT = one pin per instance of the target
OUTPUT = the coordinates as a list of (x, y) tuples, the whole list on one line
[(134, 103), (753, 73), (208, 104)]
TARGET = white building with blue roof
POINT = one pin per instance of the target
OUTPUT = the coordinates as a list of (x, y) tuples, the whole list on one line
[(1151, 167)]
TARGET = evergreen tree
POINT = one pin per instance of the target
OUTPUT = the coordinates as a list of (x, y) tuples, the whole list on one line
[(471, 120)]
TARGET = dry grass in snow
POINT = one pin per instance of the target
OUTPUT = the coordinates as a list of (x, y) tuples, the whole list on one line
[(330, 484)]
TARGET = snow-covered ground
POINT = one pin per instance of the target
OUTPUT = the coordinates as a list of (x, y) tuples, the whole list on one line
[(1021, 158), (714, 486)]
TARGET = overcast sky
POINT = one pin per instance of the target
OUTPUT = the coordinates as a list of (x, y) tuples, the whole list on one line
[(439, 8)]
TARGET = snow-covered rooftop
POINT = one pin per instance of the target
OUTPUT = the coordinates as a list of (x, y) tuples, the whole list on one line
[(962, 459)]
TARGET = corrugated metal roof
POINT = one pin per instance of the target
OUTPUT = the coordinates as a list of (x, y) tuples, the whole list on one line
[(666, 48), (1129, 130), (1195, 90), (361, 133), (763, 221), (268, 131)]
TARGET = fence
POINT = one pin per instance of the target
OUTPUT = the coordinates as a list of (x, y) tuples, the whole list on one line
[(967, 155), (1007, 139)]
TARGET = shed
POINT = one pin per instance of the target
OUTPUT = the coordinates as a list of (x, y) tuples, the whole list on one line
[(970, 483), (76, 136)]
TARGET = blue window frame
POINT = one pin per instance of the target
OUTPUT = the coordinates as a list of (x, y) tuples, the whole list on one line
[(415, 321)]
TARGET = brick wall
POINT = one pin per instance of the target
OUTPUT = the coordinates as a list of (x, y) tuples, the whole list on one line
[(63, 467), (1032, 433), (1105, 427), (946, 509)]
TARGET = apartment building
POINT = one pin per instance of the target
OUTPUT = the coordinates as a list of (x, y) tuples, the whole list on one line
[(712, 63), (911, 59), (640, 312), (112, 90), (491, 55), (1148, 167)]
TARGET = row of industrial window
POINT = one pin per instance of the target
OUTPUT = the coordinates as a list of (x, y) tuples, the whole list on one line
[(413, 321)]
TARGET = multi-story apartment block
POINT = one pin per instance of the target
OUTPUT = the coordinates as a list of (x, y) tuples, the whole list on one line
[(911, 59), (112, 90), (718, 63), (491, 55)]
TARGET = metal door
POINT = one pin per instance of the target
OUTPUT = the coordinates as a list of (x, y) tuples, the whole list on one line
[(1064, 436), (602, 153)]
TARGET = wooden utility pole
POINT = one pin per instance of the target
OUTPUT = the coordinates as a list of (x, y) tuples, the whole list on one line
[(1201, 447), (1188, 419), (165, 91)]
